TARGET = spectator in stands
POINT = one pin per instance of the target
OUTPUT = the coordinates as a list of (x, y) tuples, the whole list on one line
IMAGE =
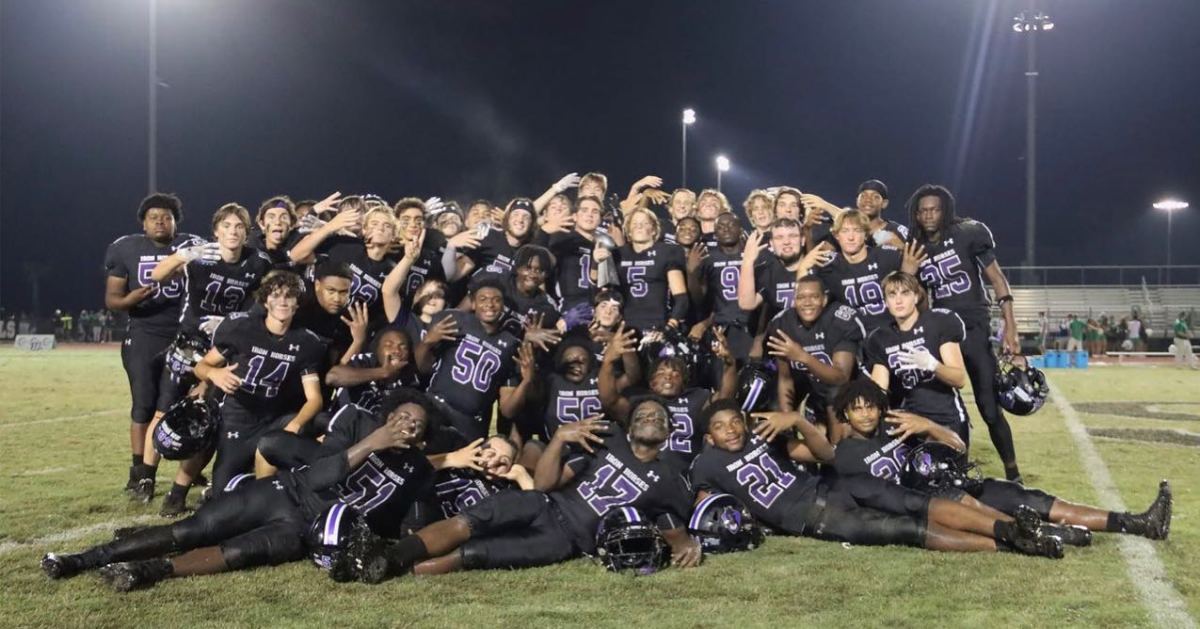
[(10, 328), (1134, 331), (1043, 331), (1183, 342), (23, 324), (1075, 330), (1094, 338)]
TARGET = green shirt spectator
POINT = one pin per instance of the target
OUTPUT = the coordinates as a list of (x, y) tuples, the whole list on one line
[(1077, 328)]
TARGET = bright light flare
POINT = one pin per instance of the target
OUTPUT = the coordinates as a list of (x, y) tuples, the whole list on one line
[(1170, 205), (722, 163), (689, 116)]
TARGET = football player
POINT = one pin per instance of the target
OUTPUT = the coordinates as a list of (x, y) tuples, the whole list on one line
[(681, 205), (365, 379), (269, 372), (324, 311), (528, 310), (275, 236), (651, 275), (760, 209), (477, 362), (770, 280), (263, 522), (669, 382), (959, 254), (814, 347), (852, 274), (497, 248), (212, 289), (153, 311), (763, 476), (921, 351), (558, 521), (880, 440), (457, 489), (714, 280), (573, 243)]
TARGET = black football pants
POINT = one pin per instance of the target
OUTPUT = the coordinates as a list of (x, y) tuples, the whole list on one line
[(981, 369)]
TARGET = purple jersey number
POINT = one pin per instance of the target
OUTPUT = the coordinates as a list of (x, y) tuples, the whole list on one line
[(765, 482), (585, 271), (608, 490), (785, 296), (170, 289), (681, 433), (867, 297), (573, 409), (730, 276), (888, 466), (270, 382), (475, 365), (234, 296), (946, 276), (366, 488), (635, 278)]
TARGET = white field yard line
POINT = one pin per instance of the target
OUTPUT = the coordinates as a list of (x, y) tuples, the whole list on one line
[(77, 533), (1157, 594), (67, 418)]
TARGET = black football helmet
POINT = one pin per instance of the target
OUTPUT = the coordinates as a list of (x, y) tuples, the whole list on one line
[(933, 467), (722, 524), (1020, 388), (754, 381), (656, 345), (341, 543), (628, 542), (185, 351), (187, 428)]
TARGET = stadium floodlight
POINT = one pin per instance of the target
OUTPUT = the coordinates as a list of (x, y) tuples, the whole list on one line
[(1026, 23), (689, 119), (1170, 206), (722, 166)]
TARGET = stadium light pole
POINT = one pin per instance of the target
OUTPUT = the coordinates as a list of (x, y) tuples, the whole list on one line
[(722, 166), (1170, 206), (152, 79), (1030, 23), (689, 118)]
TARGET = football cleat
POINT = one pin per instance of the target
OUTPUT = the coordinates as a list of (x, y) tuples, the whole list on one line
[(1070, 534), (173, 506), (132, 575), (144, 492), (134, 475), (1157, 519), (1028, 539), (61, 566)]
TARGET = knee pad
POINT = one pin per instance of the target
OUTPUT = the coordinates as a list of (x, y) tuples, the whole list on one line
[(474, 556), (261, 550)]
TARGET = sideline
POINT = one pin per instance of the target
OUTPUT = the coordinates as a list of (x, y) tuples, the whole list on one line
[(67, 418), (1155, 591)]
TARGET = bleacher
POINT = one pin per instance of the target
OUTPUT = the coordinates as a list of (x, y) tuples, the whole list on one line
[(1157, 305)]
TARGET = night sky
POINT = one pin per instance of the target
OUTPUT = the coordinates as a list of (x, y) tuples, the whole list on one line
[(487, 98)]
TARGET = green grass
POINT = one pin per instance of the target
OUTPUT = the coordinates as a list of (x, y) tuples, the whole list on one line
[(64, 475)]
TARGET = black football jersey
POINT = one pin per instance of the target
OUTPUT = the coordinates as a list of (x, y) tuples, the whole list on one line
[(271, 367), (385, 486), (859, 284), (494, 254), (428, 265), (895, 228), (687, 431), (612, 477), (133, 258), (573, 281), (880, 456), (568, 402), (775, 283), (953, 271), (366, 275), (217, 288), (472, 369), (763, 478), (278, 257), (838, 329), (455, 490), (330, 328), (369, 394), (721, 273), (643, 277), (924, 394)]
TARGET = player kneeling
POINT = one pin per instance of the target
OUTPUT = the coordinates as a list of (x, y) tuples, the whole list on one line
[(763, 475), (931, 458)]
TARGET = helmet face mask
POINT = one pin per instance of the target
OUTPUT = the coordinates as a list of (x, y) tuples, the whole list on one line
[(1020, 389), (933, 467), (754, 386), (329, 540), (722, 524), (627, 542)]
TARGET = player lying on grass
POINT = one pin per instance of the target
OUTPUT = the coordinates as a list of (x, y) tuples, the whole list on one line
[(763, 475), (263, 521), (558, 521), (876, 449)]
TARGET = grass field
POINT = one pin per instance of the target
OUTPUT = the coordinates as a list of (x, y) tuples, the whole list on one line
[(64, 454)]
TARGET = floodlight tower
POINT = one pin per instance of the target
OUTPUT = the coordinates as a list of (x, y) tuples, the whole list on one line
[(689, 118), (1170, 206), (1030, 23)]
